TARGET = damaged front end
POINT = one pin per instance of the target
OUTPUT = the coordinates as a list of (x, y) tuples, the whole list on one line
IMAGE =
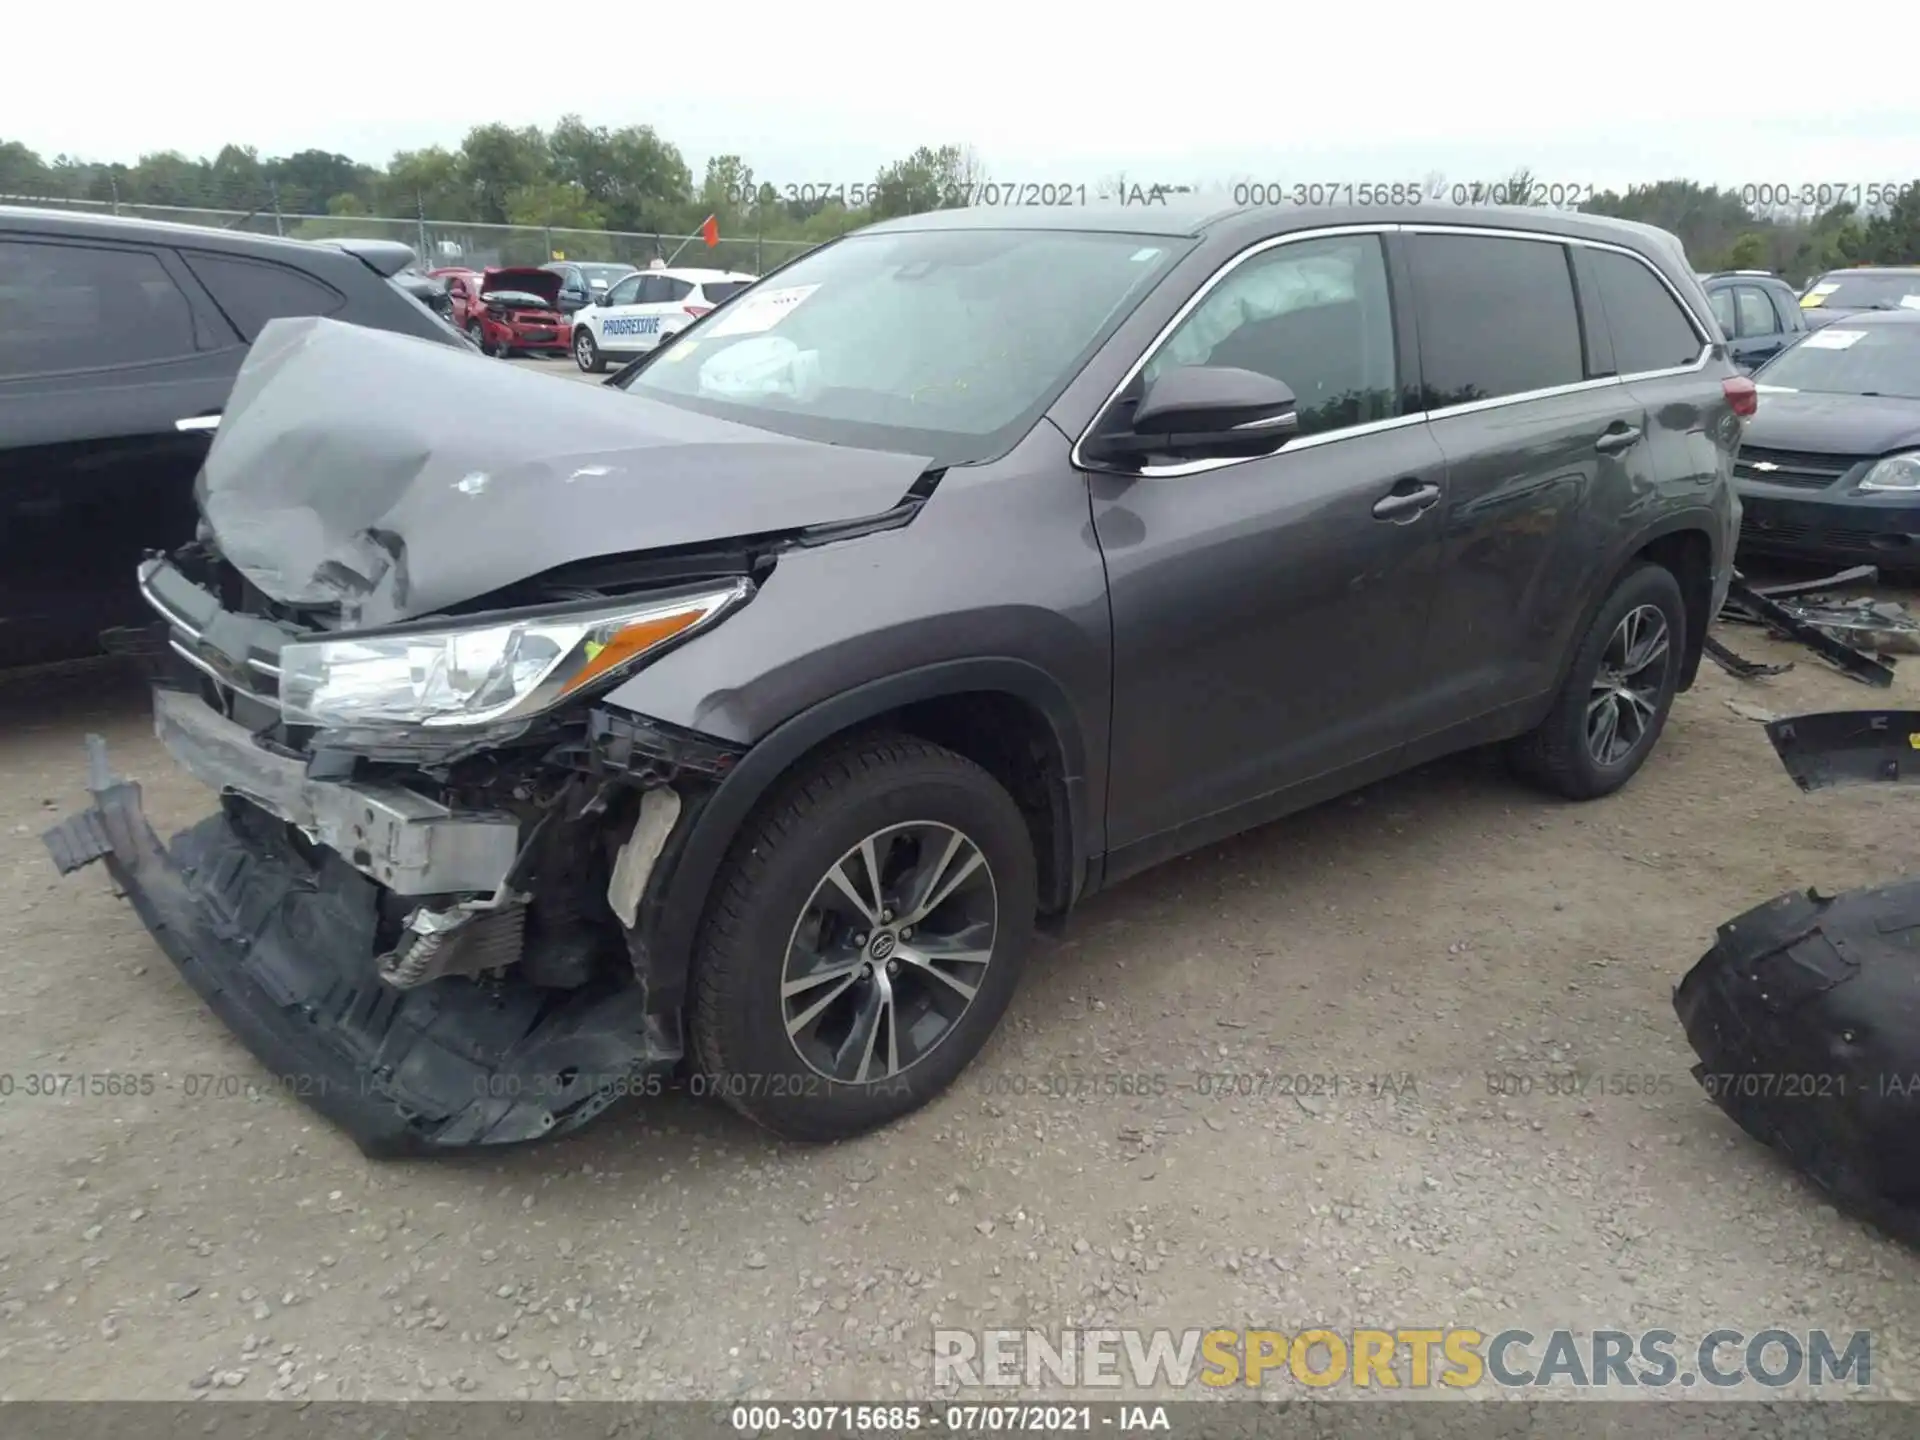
[(1806, 1012), (433, 937), (426, 898)]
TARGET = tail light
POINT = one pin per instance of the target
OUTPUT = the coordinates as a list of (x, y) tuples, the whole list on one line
[(1741, 394), (696, 311)]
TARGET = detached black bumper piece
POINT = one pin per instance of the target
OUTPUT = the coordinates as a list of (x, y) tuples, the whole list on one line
[(1806, 1018), (281, 945)]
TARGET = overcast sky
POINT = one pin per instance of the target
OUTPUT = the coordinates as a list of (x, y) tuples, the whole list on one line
[(1606, 94)]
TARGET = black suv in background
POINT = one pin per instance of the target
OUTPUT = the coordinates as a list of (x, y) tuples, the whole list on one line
[(119, 340), (966, 566), (1758, 313)]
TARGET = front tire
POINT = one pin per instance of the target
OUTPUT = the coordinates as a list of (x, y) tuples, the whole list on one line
[(478, 334), (823, 1009), (1617, 694), (586, 354)]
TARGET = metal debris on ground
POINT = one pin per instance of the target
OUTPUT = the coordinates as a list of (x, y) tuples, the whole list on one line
[(1752, 712), (1800, 620), (1739, 666)]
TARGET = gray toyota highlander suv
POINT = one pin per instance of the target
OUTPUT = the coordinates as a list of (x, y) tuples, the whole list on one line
[(739, 720)]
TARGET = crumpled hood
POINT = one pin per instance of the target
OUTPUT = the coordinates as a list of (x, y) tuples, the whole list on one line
[(395, 477), (541, 285), (1832, 424)]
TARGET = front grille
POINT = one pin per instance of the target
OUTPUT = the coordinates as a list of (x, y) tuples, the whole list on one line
[(1796, 535), (1801, 469)]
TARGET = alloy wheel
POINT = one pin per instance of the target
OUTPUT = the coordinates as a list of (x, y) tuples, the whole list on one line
[(1624, 701), (889, 952)]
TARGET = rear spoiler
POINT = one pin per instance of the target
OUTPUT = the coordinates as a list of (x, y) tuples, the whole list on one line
[(386, 258)]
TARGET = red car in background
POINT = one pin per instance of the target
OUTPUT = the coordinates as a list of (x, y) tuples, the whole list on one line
[(515, 308)]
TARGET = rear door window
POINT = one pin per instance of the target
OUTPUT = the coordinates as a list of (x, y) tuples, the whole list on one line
[(252, 292), (83, 307), (1755, 311), (1650, 329), (1496, 316), (1721, 303)]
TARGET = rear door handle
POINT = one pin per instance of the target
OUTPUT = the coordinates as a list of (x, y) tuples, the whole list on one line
[(197, 422), (1408, 500), (1613, 442)]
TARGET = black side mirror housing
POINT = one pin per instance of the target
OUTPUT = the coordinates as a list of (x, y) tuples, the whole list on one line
[(1204, 412)]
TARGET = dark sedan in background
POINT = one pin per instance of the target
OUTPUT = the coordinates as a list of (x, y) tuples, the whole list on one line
[(1829, 469), (1840, 293)]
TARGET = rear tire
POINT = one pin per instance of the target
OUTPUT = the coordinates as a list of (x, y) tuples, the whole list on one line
[(783, 930), (586, 354), (1617, 694)]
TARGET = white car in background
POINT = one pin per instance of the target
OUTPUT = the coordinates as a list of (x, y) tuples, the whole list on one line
[(642, 310)]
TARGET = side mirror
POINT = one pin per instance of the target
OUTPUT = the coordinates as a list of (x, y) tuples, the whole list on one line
[(1205, 412)]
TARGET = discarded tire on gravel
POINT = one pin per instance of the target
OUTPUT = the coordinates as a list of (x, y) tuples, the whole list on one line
[(1806, 1018)]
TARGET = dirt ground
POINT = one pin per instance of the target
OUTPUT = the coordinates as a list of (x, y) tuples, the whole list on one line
[(211, 1238)]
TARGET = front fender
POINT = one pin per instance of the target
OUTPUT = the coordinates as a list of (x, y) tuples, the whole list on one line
[(996, 585)]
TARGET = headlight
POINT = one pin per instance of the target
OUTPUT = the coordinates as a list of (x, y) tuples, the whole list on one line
[(1898, 473), (480, 674)]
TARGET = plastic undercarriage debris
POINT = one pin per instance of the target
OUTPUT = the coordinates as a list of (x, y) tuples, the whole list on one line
[(1806, 1012), (281, 944)]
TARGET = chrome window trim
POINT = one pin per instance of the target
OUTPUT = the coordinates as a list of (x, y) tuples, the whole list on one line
[(1375, 427)]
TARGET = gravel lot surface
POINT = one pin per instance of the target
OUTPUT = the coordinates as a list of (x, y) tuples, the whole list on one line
[(213, 1236)]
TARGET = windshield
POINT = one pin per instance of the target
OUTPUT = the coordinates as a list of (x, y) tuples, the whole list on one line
[(1881, 359), (604, 274), (945, 343), (1865, 292)]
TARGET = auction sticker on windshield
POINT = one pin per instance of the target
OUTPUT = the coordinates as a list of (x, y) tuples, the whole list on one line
[(1811, 300), (754, 313), (1831, 339)]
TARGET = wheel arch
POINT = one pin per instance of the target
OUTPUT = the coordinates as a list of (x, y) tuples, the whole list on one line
[(1681, 544), (1007, 715)]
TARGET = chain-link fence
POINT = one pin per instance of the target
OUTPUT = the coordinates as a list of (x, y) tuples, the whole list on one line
[(467, 243)]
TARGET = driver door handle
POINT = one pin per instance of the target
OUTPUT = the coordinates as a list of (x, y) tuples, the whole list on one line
[(1612, 442), (197, 422), (1408, 500)]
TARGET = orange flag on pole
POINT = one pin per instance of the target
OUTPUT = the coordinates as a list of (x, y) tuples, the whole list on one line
[(710, 231)]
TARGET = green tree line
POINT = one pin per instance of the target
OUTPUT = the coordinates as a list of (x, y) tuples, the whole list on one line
[(586, 177)]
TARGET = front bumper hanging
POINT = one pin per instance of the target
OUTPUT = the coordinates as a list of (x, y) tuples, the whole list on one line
[(280, 941)]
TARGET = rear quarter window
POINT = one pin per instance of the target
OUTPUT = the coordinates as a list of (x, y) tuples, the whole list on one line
[(719, 290), (1496, 317), (252, 292), (1650, 329)]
